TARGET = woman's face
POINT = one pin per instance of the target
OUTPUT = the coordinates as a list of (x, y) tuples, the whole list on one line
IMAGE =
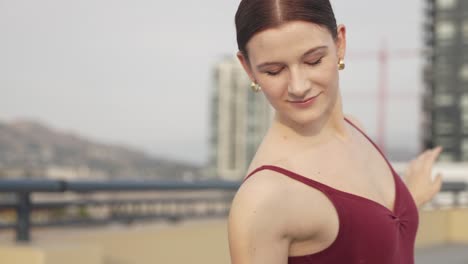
[(297, 67)]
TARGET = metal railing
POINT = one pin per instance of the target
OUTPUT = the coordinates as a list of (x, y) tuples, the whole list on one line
[(175, 201)]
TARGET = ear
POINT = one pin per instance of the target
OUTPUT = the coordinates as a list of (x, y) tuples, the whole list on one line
[(246, 65), (341, 41)]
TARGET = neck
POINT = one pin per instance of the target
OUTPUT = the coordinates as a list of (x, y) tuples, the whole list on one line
[(330, 126)]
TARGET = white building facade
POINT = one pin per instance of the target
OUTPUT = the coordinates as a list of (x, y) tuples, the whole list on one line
[(239, 120)]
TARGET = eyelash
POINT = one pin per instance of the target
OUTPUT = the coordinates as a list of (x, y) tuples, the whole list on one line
[(311, 64)]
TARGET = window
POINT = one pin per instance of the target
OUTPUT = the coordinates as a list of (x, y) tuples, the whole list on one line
[(444, 128), (464, 30), (446, 157), (442, 68), (464, 114), (445, 30), (465, 156), (442, 116), (443, 100), (464, 102), (465, 145), (463, 73), (442, 88), (464, 149), (446, 4), (445, 141)]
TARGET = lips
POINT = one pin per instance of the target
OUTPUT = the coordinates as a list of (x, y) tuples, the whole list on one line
[(305, 101)]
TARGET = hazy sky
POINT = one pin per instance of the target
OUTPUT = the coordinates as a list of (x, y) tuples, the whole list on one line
[(139, 72)]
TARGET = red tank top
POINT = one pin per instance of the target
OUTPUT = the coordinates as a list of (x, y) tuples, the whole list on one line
[(369, 233)]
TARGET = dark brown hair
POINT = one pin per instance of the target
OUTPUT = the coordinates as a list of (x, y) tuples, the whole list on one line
[(254, 16)]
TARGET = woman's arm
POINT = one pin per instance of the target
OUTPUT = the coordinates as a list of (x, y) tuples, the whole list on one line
[(418, 177), (256, 227)]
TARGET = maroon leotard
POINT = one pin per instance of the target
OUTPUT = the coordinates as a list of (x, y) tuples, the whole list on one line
[(369, 233)]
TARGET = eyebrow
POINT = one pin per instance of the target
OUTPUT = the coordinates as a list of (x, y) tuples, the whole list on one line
[(310, 51)]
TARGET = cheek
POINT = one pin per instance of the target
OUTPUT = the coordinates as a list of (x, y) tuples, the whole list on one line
[(326, 78), (274, 88)]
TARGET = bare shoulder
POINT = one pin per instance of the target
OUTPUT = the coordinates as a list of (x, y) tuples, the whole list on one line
[(257, 224), (257, 200), (265, 217), (355, 121)]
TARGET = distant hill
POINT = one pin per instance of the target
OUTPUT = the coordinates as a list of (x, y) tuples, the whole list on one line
[(31, 149)]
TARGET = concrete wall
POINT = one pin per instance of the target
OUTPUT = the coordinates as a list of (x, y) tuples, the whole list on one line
[(442, 226), (194, 242)]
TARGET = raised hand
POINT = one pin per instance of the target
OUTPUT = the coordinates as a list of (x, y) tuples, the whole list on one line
[(418, 177)]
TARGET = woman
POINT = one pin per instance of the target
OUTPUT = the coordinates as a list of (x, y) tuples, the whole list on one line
[(318, 189)]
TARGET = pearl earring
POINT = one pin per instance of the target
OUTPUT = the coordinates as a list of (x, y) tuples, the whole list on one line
[(255, 87), (341, 65)]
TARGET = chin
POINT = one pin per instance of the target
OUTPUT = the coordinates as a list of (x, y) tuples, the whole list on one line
[(305, 118)]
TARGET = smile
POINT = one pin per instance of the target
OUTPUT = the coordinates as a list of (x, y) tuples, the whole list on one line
[(305, 103)]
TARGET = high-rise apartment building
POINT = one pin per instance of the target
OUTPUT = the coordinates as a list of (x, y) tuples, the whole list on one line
[(445, 106), (239, 120)]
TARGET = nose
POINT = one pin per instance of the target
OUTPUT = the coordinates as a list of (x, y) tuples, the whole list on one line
[(298, 85)]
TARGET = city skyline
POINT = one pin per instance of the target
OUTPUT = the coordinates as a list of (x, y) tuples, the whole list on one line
[(116, 72)]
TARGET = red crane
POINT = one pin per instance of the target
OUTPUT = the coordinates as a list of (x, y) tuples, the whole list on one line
[(383, 56)]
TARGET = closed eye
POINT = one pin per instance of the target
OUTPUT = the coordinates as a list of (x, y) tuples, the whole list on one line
[(273, 73), (315, 62)]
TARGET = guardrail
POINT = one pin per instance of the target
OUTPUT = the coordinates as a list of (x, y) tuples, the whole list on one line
[(204, 199), (175, 201)]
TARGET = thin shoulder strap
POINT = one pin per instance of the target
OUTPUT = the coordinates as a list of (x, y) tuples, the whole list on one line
[(293, 175), (308, 181), (253, 172), (373, 143)]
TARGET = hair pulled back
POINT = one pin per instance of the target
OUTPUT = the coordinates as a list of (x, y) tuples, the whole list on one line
[(253, 16)]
